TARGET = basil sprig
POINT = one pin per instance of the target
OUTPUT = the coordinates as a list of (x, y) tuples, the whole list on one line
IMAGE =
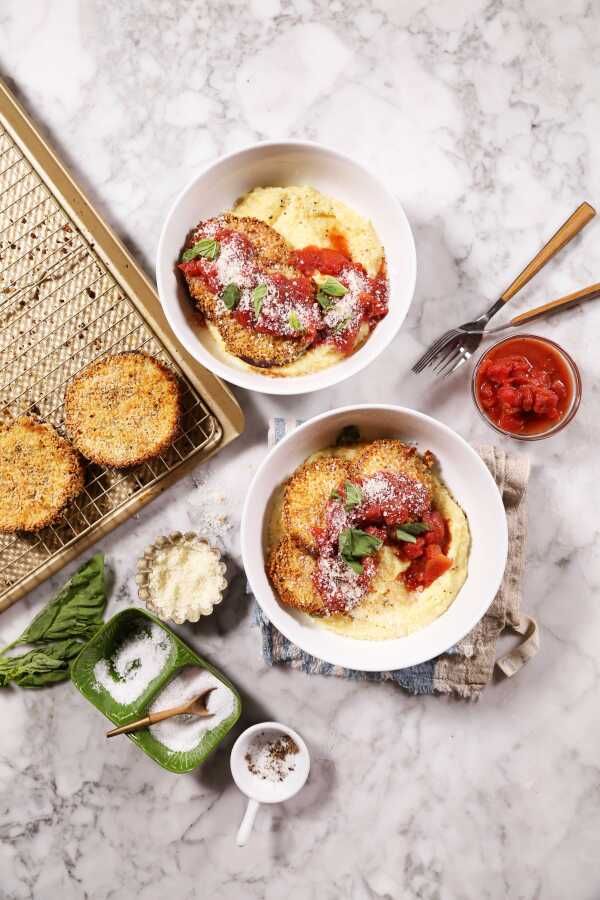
[(332, 287), (59, 631), (230, 295), (325, 302), (295, 322), (353, 494), (329, 288), (355, 544), (258, 295), (409, 531), (341, 326), (348, 435), (208, 248)]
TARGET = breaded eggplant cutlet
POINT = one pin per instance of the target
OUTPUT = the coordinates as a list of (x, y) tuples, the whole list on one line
[(123, 409), (292, 562), (291, 569), (40, 472), (271, 252)]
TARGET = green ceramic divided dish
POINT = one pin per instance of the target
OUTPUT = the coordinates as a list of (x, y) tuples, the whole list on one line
[(103, 645)]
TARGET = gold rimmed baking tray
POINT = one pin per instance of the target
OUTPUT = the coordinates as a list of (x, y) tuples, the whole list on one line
[(69, 293)]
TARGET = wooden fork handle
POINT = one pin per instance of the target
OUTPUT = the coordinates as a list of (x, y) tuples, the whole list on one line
[(588, 293), (567, 231)]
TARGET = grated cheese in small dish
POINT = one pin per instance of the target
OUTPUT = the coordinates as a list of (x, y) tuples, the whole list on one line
[(181, 578)]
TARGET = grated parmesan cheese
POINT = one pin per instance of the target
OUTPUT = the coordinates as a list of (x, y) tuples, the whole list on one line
[(347, 311), (186, 580)]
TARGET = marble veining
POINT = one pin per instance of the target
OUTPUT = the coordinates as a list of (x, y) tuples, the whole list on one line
[(483, 118)]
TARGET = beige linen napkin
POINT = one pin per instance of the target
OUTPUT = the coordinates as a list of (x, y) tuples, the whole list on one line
[(468, 669)]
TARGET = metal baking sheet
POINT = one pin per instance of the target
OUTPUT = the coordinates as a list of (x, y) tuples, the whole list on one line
[(70, 293)]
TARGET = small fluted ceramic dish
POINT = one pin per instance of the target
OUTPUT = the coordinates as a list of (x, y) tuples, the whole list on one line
[(194, 607)]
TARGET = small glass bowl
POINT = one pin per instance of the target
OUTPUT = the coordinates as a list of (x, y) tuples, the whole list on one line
[(575, 389)]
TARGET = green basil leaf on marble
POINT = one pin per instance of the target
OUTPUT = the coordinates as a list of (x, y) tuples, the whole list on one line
[(76, 611)]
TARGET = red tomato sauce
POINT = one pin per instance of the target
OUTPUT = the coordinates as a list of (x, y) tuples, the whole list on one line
[(428, 555), (291, 307), (372, 301), (395, 500), (524, 386)]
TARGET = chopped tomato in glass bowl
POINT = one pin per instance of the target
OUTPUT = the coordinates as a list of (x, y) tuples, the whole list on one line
[(526, 387)]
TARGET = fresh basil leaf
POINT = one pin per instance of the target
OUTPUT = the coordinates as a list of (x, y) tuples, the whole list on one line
[(46, 664), (402, 535), (355, 565), (333, 287), (77, 609), (295, 322), (208, 248), (258, 295), (348, 435), (341, 326), (230, 295), (325, 302), (353, 495), (335, 495), (354, 543), (416, 527)]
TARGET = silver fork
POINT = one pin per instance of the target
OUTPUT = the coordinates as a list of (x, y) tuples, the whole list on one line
[(457, 345), (464, 352)]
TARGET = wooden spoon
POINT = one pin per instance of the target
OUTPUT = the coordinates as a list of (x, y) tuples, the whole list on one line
[(194, 707)]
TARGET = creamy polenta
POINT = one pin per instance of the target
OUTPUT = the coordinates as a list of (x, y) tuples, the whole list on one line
[(389, 609), (305, 216)]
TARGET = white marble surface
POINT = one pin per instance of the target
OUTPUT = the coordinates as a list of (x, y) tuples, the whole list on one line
[(484, 119)]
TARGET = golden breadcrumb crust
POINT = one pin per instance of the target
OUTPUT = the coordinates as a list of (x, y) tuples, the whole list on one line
[(40, 472), (306, 495), (123, 409), (291, 570), (272, 254), (291, 563), (390, 455)]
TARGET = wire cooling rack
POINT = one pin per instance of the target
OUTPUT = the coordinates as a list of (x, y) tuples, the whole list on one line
[(61, 308)]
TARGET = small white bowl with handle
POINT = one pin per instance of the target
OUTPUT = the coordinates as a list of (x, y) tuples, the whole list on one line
[(266, 790)]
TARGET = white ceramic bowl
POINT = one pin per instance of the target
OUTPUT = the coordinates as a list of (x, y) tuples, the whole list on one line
[(467, 478), (276, 165)]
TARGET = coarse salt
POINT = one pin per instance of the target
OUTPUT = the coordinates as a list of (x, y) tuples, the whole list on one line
[(183, 733), (137, 662)]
